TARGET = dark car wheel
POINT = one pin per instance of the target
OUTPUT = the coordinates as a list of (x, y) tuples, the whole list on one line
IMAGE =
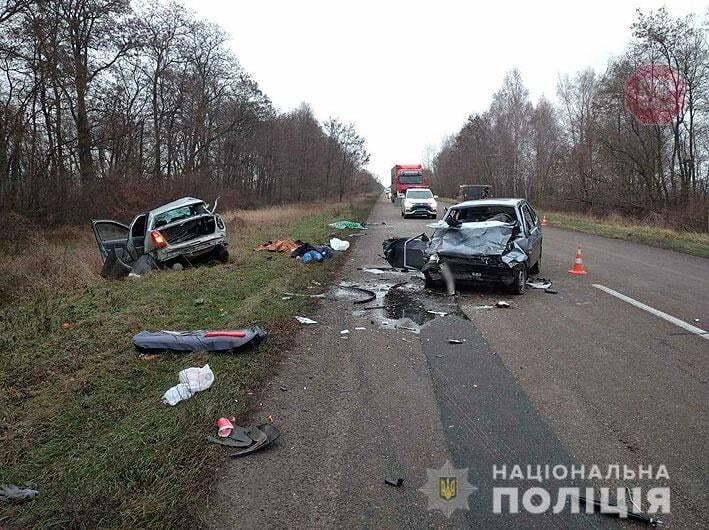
[(519, 283)]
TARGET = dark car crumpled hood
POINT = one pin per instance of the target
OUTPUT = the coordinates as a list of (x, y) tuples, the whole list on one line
[(488, 238)]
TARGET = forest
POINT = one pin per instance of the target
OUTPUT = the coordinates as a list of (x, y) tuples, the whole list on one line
[(109, 107), (587, 151)]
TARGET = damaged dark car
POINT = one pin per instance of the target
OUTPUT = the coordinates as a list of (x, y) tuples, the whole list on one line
[(176, 234), (492, 240)]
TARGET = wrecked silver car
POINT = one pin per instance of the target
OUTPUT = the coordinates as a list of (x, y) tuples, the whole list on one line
[(175, 234), (493, 240)]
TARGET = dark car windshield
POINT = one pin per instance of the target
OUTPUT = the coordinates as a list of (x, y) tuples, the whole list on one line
[(410, 179), (477, 214), (176, 214)]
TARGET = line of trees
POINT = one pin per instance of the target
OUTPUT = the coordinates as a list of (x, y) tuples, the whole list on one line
[(587, 152), (108, 106)]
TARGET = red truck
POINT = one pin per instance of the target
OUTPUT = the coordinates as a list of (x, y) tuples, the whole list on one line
[(404, 177)]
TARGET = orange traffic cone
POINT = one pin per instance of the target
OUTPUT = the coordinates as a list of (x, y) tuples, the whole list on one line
[(578, 263), (544, 221)]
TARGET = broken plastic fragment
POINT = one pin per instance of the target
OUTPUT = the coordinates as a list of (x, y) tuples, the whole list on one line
[(539, 283), (305, 320), (503, 304), (456, 341), (396, 482)]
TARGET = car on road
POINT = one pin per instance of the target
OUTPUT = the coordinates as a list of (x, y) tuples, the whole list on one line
[(182, 231), (419, 202), (491, 240), (473, 192)]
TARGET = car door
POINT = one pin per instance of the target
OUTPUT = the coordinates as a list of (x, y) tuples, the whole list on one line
[(534, 234), (136, 240), (110, 235)]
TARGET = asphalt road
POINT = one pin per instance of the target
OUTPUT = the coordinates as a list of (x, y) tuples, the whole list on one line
[(580, 377)]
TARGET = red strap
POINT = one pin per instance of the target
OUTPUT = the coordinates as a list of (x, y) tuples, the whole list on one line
[(225, 333)]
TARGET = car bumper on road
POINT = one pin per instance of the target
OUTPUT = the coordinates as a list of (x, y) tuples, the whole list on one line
[(484, 269), (420, 211)]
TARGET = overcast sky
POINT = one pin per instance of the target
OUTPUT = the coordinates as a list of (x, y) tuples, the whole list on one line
[(408, 73)]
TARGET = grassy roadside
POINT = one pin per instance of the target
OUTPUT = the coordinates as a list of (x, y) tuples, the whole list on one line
[(616, 227), (80, 412)]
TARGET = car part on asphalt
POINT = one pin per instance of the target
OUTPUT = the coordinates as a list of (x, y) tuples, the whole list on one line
[(192, 380), (404, 252), (539, 283), (230, 340), (12, 493), (502, 304), (456, 341), (396, 482), (551, 291)]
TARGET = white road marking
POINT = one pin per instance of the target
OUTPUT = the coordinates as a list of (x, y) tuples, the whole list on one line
[(669, 318)]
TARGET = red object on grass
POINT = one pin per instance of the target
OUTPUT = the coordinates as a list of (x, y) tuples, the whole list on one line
[(225, 333)]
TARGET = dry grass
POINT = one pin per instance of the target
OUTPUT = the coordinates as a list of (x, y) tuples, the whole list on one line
[(653, 232), (80, 412), (37, 262)]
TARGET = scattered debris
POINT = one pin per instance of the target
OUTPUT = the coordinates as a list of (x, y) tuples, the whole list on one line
[(503, 304), (248, 439), (284, 388), (351, 293), (198, 301), (305, 320), (396, 482), (12, 493), (342, 225), (312, 255), (339, 244), (539, 283), (227, 340), (438, 313), (344, 332), (456, 341), (551, 291), (192, 380), (282, 245), (225, 426), (360, 329)]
